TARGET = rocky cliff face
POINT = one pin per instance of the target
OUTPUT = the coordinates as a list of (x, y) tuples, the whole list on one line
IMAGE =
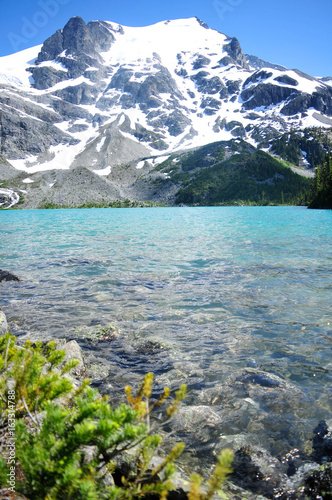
[(101, 96), (74, 49)]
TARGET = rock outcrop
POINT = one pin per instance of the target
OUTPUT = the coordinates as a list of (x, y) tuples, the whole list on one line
[(74, 49)]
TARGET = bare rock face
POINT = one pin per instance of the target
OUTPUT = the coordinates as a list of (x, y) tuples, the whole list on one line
[(257, 63), (321, 100), (265, 94), (6, 172), (29, 127), (235, 53), (76, 48), (36, 136)]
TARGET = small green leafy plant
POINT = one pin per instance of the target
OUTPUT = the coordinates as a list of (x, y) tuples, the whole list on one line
[(69, 442)]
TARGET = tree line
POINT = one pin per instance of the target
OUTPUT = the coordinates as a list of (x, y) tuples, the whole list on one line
[(322, 185)]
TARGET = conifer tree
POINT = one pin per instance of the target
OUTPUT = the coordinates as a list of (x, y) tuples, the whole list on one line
[(322, 186)]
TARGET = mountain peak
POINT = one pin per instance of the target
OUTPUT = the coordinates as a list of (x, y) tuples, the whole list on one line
[(101, 94), (76, 36)]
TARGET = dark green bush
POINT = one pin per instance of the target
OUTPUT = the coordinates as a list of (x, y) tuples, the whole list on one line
[(68, 440)]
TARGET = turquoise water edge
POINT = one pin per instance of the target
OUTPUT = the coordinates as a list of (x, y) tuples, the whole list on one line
[(225, 289)]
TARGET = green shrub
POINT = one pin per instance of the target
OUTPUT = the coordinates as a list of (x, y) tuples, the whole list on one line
[(68, 440)]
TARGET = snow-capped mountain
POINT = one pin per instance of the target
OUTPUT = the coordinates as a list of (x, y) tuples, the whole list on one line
[(101, 96)]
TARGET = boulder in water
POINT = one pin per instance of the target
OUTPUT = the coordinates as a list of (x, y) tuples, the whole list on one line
[(6, 276)]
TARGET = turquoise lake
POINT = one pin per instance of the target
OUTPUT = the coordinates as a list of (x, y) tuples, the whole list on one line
[(223, 289)]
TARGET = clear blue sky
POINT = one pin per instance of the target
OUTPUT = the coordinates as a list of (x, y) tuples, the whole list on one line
[(294, 33)]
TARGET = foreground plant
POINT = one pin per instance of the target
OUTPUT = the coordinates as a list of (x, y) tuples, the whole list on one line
[(33, 372), (69, 442)]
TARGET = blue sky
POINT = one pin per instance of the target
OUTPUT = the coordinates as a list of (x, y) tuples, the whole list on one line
[(294, 33)]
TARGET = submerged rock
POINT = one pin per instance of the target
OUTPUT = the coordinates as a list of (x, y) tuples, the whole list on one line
[(7, 276), (260, 404), (319, 484), (96, 333), (256, 471), (203, 420), (322, 443)]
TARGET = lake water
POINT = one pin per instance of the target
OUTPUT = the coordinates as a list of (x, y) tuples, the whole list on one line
[(224, 290)]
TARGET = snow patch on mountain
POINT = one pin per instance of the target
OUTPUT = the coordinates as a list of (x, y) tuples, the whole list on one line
[(14, 67), (103, 171)]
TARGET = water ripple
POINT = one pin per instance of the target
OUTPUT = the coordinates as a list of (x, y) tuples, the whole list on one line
[(224, 289)]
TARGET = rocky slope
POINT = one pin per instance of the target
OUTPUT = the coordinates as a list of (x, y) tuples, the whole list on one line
[(115, 101)]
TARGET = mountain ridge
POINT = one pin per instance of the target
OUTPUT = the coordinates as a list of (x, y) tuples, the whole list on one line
[(102, 96)]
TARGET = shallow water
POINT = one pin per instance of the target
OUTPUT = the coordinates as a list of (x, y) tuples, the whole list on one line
[(222, 288)]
